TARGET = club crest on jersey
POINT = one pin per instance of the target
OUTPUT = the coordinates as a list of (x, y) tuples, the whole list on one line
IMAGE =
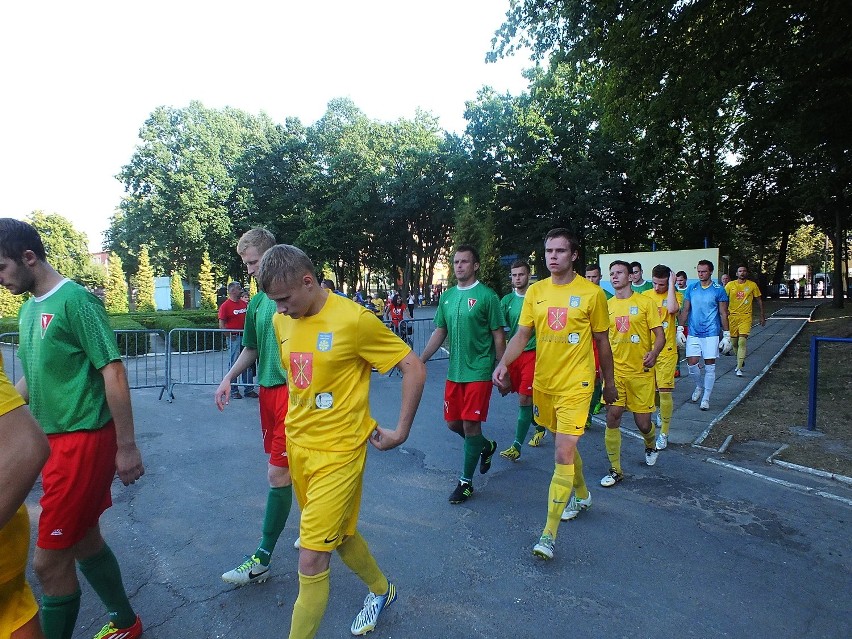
[(622, 323), (574, 302), (46, 319), (471, 302), (301, 369), (556, 317), (324, 342), (634, 310)]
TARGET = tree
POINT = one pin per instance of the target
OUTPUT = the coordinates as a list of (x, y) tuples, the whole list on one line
[(67, 249), (116, 289), (207, 284), (176, 291), (10, 304), (144, 283)]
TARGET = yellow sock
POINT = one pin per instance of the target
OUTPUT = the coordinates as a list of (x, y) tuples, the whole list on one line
[(580, 488), (741, 351), (357, 556), (310, 605), (650, 437), (558, 495), (612, 441), (666, 410)]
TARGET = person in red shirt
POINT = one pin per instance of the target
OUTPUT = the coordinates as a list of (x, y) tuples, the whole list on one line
[(395, 311), (232, 317)]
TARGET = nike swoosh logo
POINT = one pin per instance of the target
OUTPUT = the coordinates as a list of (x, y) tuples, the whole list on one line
[(253, 574), (332, 540), (540, 302), (285, 340)]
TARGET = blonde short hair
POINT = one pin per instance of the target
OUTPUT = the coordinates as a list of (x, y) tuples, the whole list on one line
[(259, 237)]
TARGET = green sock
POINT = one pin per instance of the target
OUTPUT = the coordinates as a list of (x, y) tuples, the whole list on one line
[(473, 445), (278, 502), (102, 572), (59, 615), (596, 398), (525, 415)]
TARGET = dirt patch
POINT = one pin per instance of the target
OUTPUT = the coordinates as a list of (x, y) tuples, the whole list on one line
[(776, 409)]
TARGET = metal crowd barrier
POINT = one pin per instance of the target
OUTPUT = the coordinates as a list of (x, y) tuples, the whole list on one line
[(197, 357), (143, 352)]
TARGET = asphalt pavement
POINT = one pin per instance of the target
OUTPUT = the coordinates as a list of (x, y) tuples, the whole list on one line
[(686, 548)]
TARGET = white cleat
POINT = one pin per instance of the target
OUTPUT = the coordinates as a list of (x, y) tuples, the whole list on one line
[(662, 441), (696, 394), (705, 404)]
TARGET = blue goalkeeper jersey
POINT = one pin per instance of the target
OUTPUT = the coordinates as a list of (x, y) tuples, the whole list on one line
[(704, 318)]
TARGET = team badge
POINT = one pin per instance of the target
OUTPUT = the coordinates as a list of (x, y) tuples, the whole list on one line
[(471, 302), (46, 318), (741, 295), (324, 342), (556, 317), (634, 310), (301, 369), (622, 323), (634, 338), (324, 401), (574, 338), (665, 325), (574, 302)]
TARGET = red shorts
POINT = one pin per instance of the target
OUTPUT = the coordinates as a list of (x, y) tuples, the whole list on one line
[(76, 480), (466, 401), (273, 410), (521, 372)]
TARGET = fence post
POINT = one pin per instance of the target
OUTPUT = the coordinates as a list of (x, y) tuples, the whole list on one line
[(812, 383)]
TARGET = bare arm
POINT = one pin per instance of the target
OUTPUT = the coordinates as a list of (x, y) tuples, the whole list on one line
[(434, 343), (413, 379), (23, 451), (610, 394), (723, 315), (684, 313), (128, 459), (248, 356), (499, 336), (659, 342), (222, 324), (671, 300)]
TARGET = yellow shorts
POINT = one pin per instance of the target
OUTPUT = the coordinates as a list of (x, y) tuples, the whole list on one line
[(664, 369), (636, 392), (327, 486), (564, 414), (739, 324), (17, 604)]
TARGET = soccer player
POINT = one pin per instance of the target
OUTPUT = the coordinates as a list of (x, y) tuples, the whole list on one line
[(469, 315), (593, 274), (742, 293), (705, 312), (668, 301), (232, 317), (633, 320), (637, 281), (522, 370), (68, 350), (329, 345), (23, 451), (566, 313), (260, 346)]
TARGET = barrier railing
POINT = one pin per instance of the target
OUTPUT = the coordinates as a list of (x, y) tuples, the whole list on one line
[(143, 352), (198, 357), (814, 373)]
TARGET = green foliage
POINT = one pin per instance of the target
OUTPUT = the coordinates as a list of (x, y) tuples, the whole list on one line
[(67, 249), (130, 344), (144, 283), (207, 284), (115, 294), (477, 229), (176, 291), (10, 304)]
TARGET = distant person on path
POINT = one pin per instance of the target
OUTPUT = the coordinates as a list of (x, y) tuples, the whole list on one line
[(637, 281), (395, 312), (522, 370), (412, 303), (23, 451), (636, 338), (232, 317), (803, 284), (77, 390), (668, 302), (566, 313), (705, 311), (470, 317), (742, 293), (260, 348), (329, 346)]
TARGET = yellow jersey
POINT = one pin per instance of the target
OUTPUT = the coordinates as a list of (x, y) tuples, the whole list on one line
[(328, 358), (741, 296), (630, 324), (564, 316), (667, 320)]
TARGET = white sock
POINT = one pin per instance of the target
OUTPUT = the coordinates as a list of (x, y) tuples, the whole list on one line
[(695, 375), (709, 380)]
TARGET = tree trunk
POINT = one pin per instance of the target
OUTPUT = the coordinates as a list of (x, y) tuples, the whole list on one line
[(778, 274), (838, 243)]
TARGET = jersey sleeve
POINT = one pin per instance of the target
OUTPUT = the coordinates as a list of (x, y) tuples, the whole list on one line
[(599, 313), (722, 295), (250, 328), (496, 317), (377, 345), (440, 320), (97, 339), (652, 314), (527, 317)]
